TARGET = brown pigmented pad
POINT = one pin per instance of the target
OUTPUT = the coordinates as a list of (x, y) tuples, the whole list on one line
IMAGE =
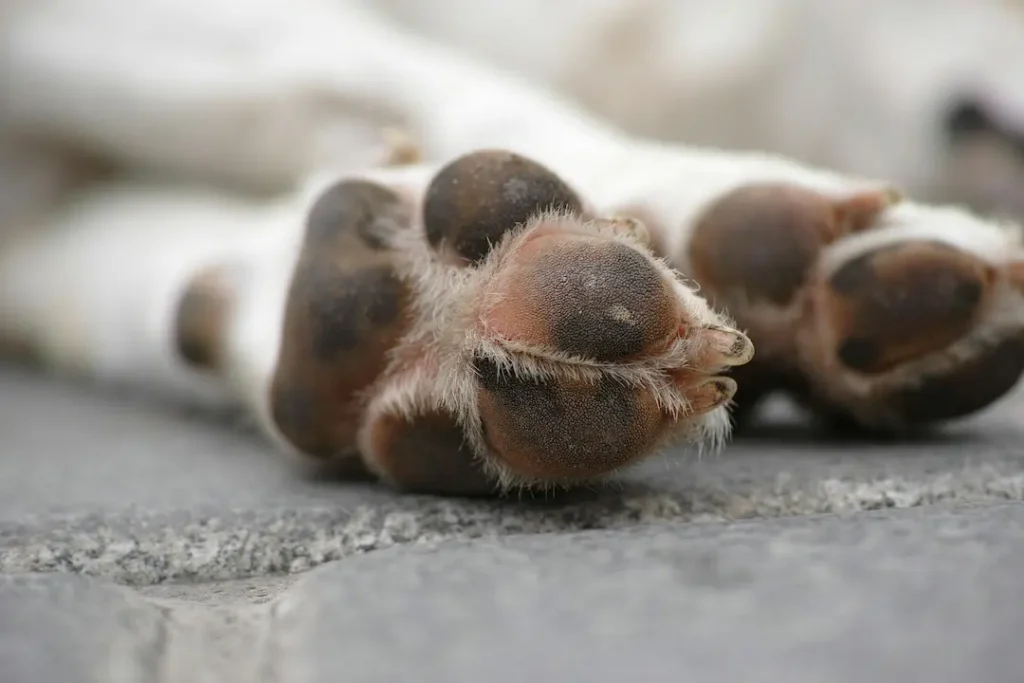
[(427, 454), (201, 317), (964, 390), (473, 201), (346, 309), (592, 298), (559, 430), (904, 301), (758, 242)]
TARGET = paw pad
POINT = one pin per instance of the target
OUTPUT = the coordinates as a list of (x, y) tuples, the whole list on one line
[(964, 389), (201, 318), (473, 201), (600, 300), (426, 453), (903, 301), (560, 429), (346, 309), (758, 242), (358, 212)]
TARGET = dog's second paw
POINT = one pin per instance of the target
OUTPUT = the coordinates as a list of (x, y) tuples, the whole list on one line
[(885, 313), (919, 322)]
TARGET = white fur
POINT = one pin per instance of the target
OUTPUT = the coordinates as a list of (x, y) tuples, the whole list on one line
[(287, 96), (858, 86)]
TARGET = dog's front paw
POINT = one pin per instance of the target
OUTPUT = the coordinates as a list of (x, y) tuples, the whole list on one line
[(553, 340)]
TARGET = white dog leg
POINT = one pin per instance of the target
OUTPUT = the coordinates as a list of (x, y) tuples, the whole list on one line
[(93, 290), (261, 98), (796, 232)]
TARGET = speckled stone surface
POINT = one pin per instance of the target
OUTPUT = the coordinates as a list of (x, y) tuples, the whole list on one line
[(785, 558), (895, 595)]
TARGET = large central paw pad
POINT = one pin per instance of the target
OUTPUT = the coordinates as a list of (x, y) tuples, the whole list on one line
[(585, 296)]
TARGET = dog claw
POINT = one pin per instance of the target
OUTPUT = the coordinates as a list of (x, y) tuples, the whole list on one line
[(731, 347)]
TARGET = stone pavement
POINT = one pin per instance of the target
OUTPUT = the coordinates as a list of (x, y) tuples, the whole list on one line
[(137, 545)]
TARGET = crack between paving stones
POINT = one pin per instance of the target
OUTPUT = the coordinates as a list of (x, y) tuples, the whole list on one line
[(139, 549)]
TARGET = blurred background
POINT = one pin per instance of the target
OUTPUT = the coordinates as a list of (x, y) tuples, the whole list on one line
[(928, 94)]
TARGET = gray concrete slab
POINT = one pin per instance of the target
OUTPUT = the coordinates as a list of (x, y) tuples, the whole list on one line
[(928, 594), (787, 557), (113, 487)]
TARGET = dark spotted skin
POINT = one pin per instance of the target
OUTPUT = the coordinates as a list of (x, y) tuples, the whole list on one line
[(561, 430), (346, 309), (474, 200), (904, 301), (200, 319), (427, 454), (600, 300)]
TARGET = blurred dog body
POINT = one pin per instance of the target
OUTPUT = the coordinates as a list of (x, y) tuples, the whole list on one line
[(927, 94), (218, 125), (923, 94)]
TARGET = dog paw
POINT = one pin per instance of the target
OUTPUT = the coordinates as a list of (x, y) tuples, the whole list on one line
[(919, 322), (481, 328), (564, 347), (890, 314)]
